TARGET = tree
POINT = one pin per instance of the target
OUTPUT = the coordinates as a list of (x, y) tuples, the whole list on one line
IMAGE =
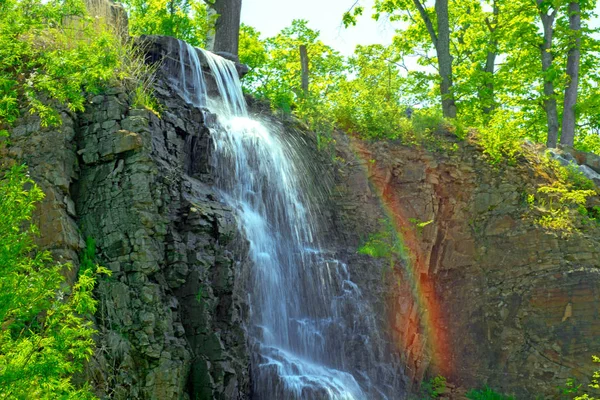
[(568, 123), (547, 14), (227, 25), (486, 96), (373, 102), (275, 65), (304, 67), (442, 46), (43, 63), (476, 45), (213, 24), (439, 36), (183, 19)]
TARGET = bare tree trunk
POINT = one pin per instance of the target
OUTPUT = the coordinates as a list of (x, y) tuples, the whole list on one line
[(441, 42), (568, 123), (444, 58), (227, 27), (210, 35), (547, 58), (304, 65), (488, 98)]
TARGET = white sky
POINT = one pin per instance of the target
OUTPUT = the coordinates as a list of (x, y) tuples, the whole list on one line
[(271, 16)]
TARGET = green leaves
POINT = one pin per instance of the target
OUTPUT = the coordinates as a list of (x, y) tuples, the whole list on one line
[(48, 61), (183, 19), (43, 340), (349, 17), (276, 72)]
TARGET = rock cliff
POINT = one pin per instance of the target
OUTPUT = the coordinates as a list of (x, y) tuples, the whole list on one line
[(484, 295), (170, 316)]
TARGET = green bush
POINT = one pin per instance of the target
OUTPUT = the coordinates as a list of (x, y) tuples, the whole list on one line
[(589, 142), (593, 386), (563, 202), (52, 54), (487, 393), (45, 335), (433, 387), (572, 176), (502, 137), (384, 244)]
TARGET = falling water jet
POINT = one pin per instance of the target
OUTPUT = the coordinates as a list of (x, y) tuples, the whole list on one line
[(298, 295)]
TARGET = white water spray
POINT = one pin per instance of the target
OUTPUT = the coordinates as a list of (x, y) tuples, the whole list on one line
[(298, 294)]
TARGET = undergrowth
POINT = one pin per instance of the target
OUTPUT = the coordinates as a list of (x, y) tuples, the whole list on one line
[(386, 243), (487, 393), (46, 333), (53, 53), (562, 203)]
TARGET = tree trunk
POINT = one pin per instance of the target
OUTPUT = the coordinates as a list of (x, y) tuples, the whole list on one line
[(444, 58), (488, 97), (568, 123), (547, 58), (210, 35), (304, 65), (227, 27)]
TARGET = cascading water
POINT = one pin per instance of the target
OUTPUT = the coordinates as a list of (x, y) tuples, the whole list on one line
[(298, 294)]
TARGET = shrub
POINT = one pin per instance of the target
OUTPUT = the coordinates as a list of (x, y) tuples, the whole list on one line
[(52, 54), (432, 388), (501, 138), (487, 394), (384, 244), (594, 384), (563, 202), (44, 335)]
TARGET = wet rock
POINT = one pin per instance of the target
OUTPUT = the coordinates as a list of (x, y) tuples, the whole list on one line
[(484, 294)]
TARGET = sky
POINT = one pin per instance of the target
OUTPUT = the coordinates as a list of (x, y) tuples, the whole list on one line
[(270, 16)]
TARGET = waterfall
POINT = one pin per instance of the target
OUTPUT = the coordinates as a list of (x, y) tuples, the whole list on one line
[(299, 294)]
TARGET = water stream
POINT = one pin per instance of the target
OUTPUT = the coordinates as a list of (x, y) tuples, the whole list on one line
[(299, 294)]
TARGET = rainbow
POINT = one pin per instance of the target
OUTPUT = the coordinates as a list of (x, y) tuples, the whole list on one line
[(425, 336)]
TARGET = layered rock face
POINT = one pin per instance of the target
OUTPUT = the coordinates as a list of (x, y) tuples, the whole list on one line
[(486, 296), (170, 318), (169, 309)]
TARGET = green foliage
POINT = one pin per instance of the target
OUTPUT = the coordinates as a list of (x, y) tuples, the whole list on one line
[(573, 389), (502, 137), (252, 50), (52, 53), (143, 98), (182, 19), (487, 393), (44, 335), (589, 142), (594, 383), (505, 103), (275, 74), (432, 388), (562, 203), (374, 103), (419, 225), (572, 176), (369, 93), (386, 244)]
